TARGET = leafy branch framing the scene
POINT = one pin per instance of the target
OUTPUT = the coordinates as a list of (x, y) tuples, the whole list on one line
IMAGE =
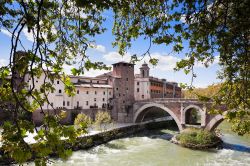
[(62, 31)]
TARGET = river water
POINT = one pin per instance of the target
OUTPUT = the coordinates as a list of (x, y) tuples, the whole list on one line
[(151, 150)]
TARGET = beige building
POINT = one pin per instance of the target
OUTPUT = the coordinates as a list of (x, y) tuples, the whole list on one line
[(90, 93)]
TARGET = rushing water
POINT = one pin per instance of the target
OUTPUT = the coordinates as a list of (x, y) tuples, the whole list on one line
[(147, 150)]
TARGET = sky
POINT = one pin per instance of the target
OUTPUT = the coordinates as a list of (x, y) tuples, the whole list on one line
[(105, 52)]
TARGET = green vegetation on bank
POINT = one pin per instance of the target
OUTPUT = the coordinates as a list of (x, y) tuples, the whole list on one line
[(197, 138)]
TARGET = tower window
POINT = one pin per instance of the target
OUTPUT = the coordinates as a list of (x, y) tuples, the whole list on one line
[(138, 83), (67, 103), (138, 89), (60, 91), (57, 82), (77, 91), (95, 92)]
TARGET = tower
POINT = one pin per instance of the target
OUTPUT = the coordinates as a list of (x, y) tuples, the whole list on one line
[(123, 86), (144, 70)]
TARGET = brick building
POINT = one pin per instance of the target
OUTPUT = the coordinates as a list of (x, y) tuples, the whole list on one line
[(147, 87)]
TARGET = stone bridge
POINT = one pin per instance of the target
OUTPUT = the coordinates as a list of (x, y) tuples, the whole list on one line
[(179, 109)]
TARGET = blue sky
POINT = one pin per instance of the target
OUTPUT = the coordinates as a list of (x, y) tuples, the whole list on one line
[(106, 53)]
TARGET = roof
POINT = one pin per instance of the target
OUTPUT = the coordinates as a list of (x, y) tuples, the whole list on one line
[(123, 62), (89, 78), (94, 85)]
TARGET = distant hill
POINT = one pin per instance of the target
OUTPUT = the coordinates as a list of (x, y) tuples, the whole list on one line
[(209, 91)]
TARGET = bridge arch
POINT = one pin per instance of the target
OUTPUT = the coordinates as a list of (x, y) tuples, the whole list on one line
[(214, 122), (171, 113), (198, 109)]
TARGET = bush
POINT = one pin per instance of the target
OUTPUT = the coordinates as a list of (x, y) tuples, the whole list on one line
[(197, 137), (102, 119), (82, 121)]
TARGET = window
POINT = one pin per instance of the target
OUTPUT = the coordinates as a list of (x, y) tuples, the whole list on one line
[(138, 89), (57, 82), (116, 88), (63, 103), (51, 104), (77, 103), (87, 92), (109, 93), (77, 91), (97, 82), (126, 88), (36, 80), (94, 99), (95, 92), (60, 91), (67, 103), (103, 99), (138, 83), (103, 92), (119, 94), (126, 79), (87, 102), (123, 101), (142, 96)]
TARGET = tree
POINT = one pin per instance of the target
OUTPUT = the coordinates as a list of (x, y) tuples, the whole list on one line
[(63, 30), (102, 118)]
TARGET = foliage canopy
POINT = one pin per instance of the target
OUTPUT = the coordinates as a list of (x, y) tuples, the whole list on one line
[(63, 30)]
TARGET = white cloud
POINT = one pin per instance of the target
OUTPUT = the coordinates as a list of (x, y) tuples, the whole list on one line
[(201, 65), (165, 63), (114, 57), (94, 73), (28, 35), (4, 31), (90, 73), (100, 48), (3, 62)]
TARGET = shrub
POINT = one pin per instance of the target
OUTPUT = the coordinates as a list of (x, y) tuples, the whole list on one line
[(196, 137), (82, 121), (102, 119)]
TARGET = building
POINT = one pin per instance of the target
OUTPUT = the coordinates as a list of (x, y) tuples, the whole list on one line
[(147, 87), (122, 81), (115, 91)]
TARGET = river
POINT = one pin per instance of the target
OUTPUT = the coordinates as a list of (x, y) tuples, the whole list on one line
[(146, 150)]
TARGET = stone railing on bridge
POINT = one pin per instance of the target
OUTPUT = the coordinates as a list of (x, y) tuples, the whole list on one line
[(176, 100)]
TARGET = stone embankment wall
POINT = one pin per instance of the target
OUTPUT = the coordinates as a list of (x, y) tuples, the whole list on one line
[(106, 136)]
